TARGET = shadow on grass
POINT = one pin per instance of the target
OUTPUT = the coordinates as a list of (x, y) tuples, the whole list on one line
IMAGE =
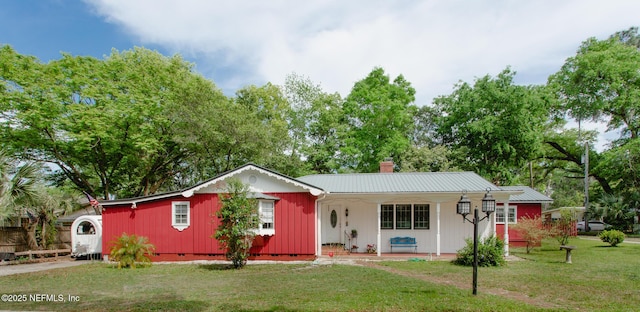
[(237, 307), (137, 267), (166, 305), (420, 292), (216, 267), (164, 302)]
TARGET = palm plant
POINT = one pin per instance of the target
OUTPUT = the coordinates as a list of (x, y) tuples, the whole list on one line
[(617, 212), (129, 250), (18, 186), (46, 207)]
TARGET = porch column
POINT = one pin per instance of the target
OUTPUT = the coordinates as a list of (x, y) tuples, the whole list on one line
[(438, 229), (379, 239), (318, 230), (506, 228)]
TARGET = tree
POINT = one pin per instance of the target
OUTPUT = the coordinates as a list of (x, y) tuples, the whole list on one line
[(629, 37), (238, 216), (425, 159), (379, 118), (425, 132), (617, 212), (110, 126), (250, 127), (563, 228), (18, 186), (23, 193), (601, 83), (314, 124), (532, 231), (494, 125), (43, 212), (267, 140)]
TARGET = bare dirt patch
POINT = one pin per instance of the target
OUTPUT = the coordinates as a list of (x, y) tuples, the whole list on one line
[(466, 284)]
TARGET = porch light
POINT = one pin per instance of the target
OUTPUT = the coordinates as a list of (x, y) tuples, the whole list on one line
[(488, 203), (463, 208), (464, 205)]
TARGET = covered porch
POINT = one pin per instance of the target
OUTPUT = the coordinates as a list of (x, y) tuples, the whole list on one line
[(363, 226), (340, 253)]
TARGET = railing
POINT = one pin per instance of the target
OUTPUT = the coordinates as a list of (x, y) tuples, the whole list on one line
[(54, 252), (350, 242)]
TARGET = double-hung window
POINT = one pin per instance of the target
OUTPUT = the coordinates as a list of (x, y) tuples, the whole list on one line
[(421, 216), (267, 217), (500, 216), (180, 215), (386, 216), (404, 216)]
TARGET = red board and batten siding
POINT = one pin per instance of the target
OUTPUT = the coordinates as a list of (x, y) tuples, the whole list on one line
[(294, 228), (530, 210)]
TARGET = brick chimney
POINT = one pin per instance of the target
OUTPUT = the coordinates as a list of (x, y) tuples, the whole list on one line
[(386, 166)]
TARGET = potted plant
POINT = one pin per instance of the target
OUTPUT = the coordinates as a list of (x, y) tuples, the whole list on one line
[(371, 248), (354, 233)]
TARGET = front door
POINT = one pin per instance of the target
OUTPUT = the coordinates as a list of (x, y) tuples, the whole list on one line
[(332, 224)]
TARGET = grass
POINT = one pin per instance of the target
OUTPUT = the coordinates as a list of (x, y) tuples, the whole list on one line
[(600, 278)]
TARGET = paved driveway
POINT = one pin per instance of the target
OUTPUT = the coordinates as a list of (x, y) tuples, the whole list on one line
[(632, 240), (35, 267)]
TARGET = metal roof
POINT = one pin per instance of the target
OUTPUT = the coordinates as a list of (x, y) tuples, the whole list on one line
[(411, 182), (188, 192), (529, 195), (258, 195)]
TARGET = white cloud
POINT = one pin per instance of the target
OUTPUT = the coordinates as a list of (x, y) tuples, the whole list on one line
[(434, 44)]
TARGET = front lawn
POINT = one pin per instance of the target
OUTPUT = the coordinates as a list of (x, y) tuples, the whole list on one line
[(600, 278)]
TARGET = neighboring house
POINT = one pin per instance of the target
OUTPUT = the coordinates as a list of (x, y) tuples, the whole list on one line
[(299, 216), (528, 204), (555, 214)]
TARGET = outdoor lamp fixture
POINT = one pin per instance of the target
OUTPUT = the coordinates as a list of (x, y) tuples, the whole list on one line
[(463, 208)]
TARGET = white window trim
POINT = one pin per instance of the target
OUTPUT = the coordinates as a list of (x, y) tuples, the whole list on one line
[(180, 226), (413, 211), (393, 218), (515, 215), (413, 217), (271, 231)]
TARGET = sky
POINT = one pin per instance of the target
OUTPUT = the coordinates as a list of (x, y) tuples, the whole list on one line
[(433, 44)]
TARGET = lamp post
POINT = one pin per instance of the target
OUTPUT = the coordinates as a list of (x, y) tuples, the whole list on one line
[(463, 208)]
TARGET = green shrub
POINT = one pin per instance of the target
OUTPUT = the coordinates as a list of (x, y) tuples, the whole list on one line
[(128, 250), (613, 237), (490, 253), (238, 215)]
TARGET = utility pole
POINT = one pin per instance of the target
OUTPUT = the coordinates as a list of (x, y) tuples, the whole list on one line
[(586, 186), (531, 174)]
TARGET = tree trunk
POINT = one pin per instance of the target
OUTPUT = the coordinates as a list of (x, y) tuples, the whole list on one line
[(31, 235)]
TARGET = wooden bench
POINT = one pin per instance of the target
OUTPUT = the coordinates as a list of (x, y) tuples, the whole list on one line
[(404, 242), (568, 249), (54, 252)]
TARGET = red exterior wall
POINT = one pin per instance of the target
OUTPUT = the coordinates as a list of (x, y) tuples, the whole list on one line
[(530, 210), (295, 227)]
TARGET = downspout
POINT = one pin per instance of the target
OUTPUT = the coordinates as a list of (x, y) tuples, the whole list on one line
[(437, 228), (319, 226), (506, 228), (379, 238)]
